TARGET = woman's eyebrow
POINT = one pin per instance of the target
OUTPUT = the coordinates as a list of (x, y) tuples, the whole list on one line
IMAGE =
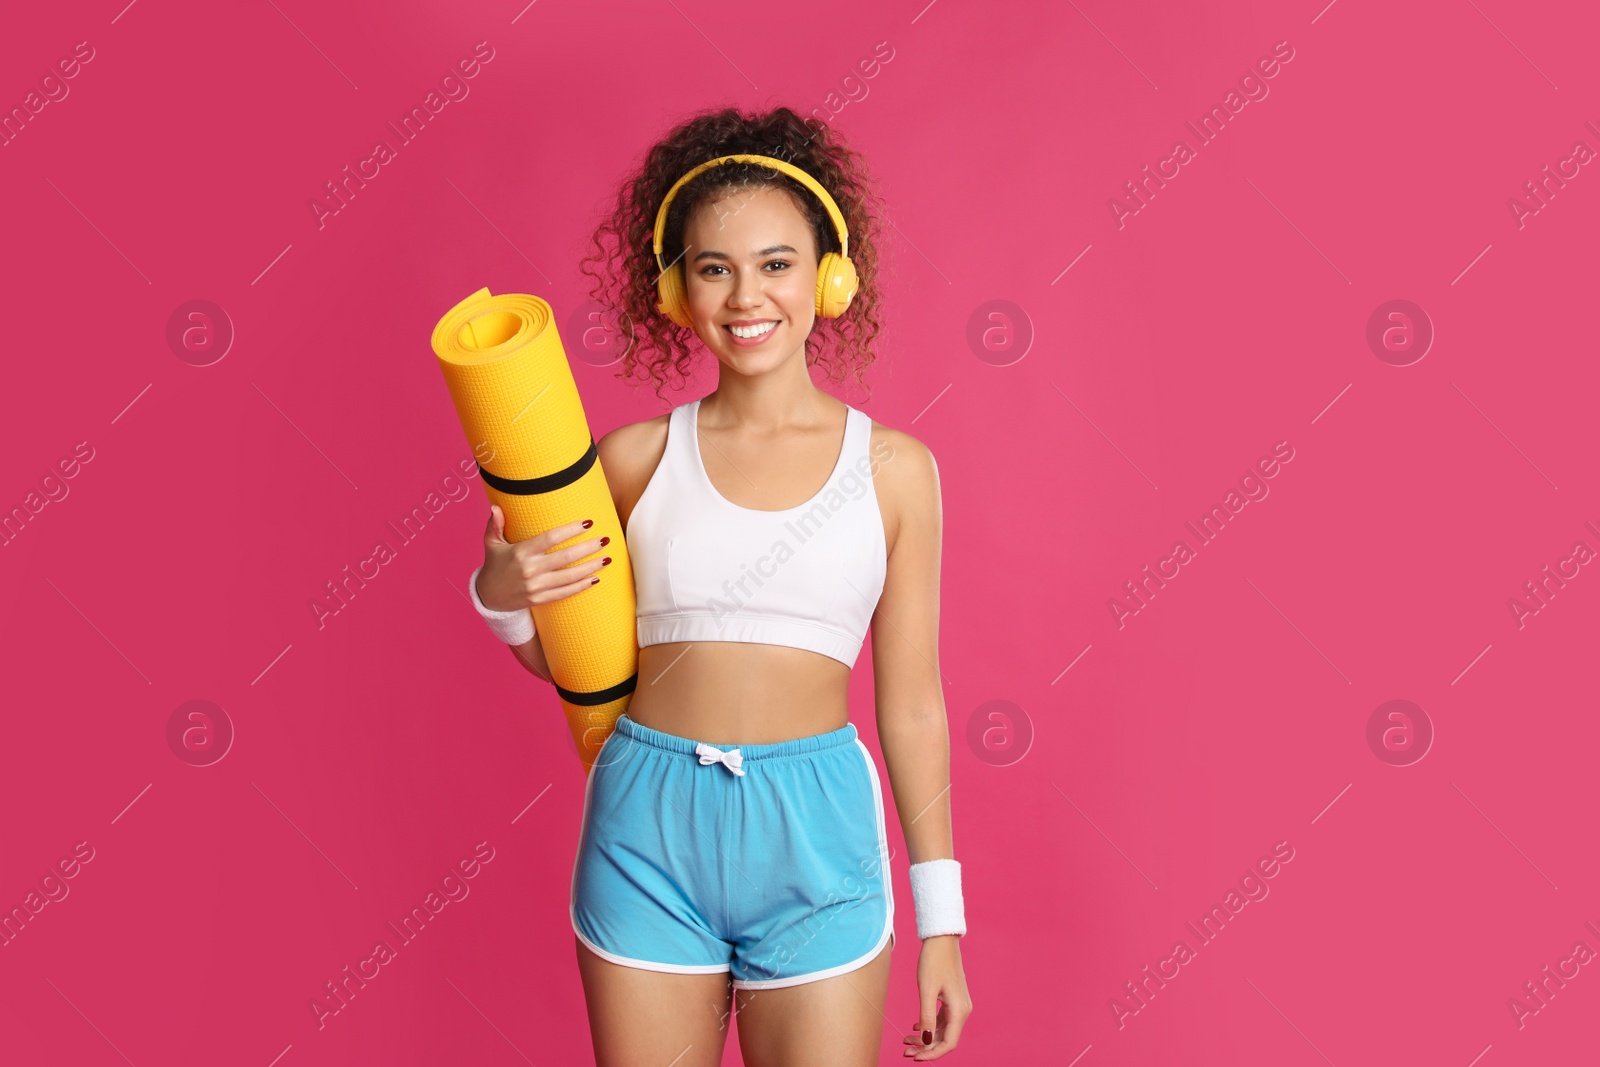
[(763, 252)]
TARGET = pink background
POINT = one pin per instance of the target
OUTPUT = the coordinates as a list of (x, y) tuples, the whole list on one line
[(1230, 713)]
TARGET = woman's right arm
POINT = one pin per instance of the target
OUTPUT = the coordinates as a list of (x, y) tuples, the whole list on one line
[(531, 656), (526, 573), (512, 573)]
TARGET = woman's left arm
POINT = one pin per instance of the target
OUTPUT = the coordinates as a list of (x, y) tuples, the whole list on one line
[(912, 726)]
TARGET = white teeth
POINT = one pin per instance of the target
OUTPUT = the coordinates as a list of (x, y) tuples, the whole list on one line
[(752, 331)]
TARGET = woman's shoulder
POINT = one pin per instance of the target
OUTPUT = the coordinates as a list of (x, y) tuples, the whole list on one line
[(902, 458), (632, 437), (906, 480), (629, 456)]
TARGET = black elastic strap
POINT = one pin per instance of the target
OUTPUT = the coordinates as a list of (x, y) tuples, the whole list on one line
[(603, 696), (549, 483)]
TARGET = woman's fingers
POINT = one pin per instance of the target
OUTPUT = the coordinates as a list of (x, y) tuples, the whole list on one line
[(531, 568), (914, 1041), (534, 554), (946, 1031), (541, 569), (585, 578), (555, 535), (952, 1019), (925, 1034)]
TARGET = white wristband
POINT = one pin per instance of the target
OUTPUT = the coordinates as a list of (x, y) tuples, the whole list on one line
[(512, 627), (936, 896)]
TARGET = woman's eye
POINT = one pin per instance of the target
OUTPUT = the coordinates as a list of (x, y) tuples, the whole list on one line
[(705, 272)]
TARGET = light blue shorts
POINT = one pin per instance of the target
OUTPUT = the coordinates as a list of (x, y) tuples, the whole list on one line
[(767, 861)]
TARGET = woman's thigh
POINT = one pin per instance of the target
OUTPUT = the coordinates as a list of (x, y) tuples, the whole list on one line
[(653, 1018), (832, 1022)]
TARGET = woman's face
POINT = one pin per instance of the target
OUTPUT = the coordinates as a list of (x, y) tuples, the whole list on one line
[(751, 261)]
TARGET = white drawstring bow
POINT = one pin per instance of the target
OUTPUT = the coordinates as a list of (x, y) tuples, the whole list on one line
[(710, 754)]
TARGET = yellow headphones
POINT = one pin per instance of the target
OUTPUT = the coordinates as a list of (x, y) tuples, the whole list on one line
[(836, 275)]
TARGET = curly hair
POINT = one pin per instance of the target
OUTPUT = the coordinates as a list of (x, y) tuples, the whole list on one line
[(625, 281)]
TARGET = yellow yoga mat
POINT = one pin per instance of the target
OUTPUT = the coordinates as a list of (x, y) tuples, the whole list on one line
[(514, 392)]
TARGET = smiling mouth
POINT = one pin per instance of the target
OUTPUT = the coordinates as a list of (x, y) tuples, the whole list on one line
[(750, 333)]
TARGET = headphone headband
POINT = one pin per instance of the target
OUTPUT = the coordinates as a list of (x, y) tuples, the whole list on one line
[(776, 164)]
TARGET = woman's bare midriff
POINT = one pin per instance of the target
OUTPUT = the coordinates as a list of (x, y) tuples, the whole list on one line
[(739, 693)]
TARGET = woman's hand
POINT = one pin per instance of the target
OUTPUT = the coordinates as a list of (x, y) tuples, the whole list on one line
[(939, 978), (527, 573)]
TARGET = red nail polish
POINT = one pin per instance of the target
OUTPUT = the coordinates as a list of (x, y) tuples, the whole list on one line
[(606, 562), (927, 1037), (587, 523), (604, 541)]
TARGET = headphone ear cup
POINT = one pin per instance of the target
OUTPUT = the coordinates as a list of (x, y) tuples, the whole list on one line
[(836, 285), (674, 303)]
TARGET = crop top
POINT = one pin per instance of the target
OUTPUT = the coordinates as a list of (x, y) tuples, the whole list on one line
[(706, 569)]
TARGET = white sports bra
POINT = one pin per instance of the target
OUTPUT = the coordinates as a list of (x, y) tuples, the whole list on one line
[(706, 569)]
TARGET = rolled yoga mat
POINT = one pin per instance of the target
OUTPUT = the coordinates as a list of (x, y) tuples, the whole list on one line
[(517, 401)]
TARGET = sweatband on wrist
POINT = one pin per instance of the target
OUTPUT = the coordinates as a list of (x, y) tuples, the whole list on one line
[(936, 897), (512, 627)]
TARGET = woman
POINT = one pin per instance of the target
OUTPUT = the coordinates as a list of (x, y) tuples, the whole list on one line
[(733, 859)]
